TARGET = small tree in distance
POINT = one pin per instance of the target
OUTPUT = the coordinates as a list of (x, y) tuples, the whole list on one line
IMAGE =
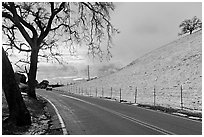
[(189, 25)]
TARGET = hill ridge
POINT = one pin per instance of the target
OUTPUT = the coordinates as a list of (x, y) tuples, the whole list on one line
[(183, 37), (167, 68)]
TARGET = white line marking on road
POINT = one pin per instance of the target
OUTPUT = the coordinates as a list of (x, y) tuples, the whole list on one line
[(126, 117), (64, 130)]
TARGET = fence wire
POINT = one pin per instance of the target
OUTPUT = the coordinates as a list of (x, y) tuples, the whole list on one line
[(175, 97)]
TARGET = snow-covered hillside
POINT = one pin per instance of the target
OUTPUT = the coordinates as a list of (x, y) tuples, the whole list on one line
[(167, 68)]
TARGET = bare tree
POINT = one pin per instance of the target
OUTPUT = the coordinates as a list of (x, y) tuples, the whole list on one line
[(18, 112), (34, 27), (189, 25)]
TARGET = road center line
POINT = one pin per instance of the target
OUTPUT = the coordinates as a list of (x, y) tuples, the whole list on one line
[(125, 117)]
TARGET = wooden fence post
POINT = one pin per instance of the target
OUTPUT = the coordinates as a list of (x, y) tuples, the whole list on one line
[(102, 92), (111, 91), (90, 92), (181, 97), (154, 96), (96, 91), (120, 94), (76, 90), (135, 95)]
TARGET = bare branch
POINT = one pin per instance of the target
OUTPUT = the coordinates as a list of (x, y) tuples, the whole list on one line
[(7, 15), (16, 21), (28, 26), (84, 23), (13, 42), (53, 13)]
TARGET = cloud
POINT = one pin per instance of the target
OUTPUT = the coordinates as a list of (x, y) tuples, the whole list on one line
[(53, 71)]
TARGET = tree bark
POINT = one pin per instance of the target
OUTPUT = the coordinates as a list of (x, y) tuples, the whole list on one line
[(32, 73), (18, 113)]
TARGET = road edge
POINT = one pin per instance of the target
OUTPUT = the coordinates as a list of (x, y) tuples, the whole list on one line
[(63, 127)]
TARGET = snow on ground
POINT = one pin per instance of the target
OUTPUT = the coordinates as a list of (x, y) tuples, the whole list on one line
[(165, 69)]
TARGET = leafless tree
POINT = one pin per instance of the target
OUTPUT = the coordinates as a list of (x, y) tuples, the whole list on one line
[(33, 27)]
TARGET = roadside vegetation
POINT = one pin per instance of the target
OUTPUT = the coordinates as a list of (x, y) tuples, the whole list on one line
[(40, 117), (36, 28)]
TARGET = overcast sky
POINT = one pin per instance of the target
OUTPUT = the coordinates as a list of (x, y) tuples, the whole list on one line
[(147, 26), (143, 27)]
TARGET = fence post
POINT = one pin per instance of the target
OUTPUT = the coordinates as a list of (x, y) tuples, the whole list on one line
[(120, 94), (76, 89), (96, 91), (90, 92), (154, 96), (181, 97), (135, 95), (111, 91), (102, 91)]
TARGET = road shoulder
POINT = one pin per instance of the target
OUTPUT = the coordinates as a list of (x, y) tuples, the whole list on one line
[(54, 124)]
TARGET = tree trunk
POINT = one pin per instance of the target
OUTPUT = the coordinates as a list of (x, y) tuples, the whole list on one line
[(18, 112), (32, 73)]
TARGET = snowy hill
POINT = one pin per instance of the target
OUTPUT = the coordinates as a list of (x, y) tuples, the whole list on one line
[(166, 68)]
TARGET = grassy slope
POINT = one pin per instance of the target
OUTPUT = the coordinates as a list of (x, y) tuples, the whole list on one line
[(167, 68)]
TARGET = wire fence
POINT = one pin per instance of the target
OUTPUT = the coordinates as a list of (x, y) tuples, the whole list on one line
[(154, 96)]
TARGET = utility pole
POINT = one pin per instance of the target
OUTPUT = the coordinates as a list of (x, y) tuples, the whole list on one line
[(88, 74)]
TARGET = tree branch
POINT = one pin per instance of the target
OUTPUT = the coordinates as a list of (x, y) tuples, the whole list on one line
[(16, 21), (53, 13), (28, 26), (90, 7), (8, 16)]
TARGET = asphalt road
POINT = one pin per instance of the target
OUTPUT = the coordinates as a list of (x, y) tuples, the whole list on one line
[(95, 116)]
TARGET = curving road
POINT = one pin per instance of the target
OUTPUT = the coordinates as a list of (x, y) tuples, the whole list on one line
[(94, 116)]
